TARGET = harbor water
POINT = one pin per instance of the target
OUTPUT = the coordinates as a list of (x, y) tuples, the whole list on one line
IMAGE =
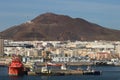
[(108, 73)]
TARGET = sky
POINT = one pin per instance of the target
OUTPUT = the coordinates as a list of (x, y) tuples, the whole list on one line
[(103, 12)]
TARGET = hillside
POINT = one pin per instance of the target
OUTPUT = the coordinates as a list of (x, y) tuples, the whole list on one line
[(50, 26)]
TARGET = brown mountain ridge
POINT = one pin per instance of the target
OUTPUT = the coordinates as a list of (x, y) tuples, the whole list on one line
[(50, 26)]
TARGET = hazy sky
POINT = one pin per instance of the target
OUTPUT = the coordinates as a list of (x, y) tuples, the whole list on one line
[(103, 12)]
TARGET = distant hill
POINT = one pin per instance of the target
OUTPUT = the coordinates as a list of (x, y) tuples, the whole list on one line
[(50, 26)]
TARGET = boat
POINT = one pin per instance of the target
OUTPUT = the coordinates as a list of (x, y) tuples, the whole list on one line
[(16, 67), (90, 71), (48, 72), (63, 67)]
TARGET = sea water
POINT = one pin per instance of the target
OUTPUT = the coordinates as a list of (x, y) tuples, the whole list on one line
[(108, 73)]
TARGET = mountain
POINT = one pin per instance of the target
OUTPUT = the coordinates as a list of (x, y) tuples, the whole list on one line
[(50, 26)]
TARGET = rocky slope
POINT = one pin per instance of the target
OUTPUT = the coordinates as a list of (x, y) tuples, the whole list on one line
[(50, 26)]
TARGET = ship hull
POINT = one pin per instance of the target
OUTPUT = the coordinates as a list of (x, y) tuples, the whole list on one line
[(16, 71), (16, 67)]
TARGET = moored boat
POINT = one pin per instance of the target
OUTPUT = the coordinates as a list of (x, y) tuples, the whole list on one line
[(90, 71), (16, 67)]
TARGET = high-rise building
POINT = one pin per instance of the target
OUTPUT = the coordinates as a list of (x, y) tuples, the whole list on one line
[(1, 47)]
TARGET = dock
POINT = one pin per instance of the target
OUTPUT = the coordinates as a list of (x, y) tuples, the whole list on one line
[(57, 72), (65, 72), (62, 70)]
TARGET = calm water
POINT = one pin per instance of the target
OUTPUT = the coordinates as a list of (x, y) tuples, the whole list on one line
[(109, 73)]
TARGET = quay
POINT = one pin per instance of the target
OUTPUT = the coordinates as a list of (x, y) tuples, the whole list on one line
[(65, 72)]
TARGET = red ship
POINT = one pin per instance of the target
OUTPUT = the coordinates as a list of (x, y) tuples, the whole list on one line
[(16, 67)]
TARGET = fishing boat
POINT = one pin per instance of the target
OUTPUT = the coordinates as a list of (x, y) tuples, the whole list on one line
[(16, 67)]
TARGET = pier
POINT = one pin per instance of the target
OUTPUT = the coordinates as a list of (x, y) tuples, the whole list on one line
[(57, 72)]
